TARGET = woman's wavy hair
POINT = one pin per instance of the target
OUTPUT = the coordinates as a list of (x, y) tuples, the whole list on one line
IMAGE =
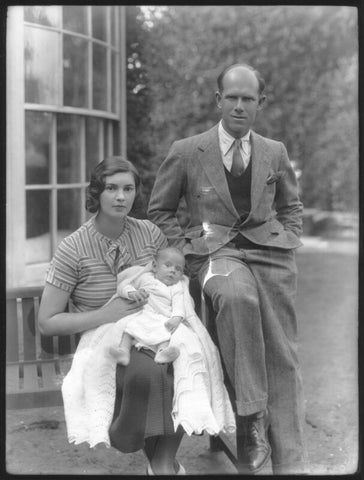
[(109, 166)]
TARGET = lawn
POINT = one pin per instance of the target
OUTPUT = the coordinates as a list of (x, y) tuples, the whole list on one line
[(327, 308)]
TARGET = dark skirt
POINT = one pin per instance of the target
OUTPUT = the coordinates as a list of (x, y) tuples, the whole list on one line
[(143, 404)]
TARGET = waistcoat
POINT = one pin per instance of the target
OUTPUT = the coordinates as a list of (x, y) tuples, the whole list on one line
[(239, 188), (240, 191)]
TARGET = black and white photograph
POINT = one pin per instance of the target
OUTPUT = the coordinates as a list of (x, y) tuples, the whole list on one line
[(182, 240)]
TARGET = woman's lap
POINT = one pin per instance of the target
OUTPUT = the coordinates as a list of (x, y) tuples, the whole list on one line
[(143, 405)]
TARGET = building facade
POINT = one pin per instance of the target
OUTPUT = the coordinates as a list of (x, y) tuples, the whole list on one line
[(66, 110)]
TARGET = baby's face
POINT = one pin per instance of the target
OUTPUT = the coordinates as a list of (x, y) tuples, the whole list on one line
[(168, 267)]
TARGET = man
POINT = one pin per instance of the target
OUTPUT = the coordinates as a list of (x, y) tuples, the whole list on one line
[(244, 225)]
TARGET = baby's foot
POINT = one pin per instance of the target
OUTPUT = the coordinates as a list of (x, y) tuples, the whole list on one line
[(121, 355), (166, 355)]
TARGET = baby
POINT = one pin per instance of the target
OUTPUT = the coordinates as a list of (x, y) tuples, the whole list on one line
[(167, 325), (153, 326)]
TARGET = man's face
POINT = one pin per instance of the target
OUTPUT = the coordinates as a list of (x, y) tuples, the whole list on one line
[(239, 101)]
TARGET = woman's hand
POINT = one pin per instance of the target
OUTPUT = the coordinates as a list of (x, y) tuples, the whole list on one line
[(120, 307), (53, 320)]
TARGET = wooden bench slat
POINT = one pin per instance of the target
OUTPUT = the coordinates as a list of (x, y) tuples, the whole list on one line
[(12, 346), (13, 378), (31, 382), (24, 292), (51, 381), (38, 344), (36, 365), (29, 329), (20, 328)]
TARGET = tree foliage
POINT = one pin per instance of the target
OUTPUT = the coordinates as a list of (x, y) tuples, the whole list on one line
[(139, 98), (308, 57)]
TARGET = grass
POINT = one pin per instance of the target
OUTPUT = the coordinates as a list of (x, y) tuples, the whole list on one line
[(327, 310), (327, 305)]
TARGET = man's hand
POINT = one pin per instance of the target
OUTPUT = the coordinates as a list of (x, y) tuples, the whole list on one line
[(173, 323), (138, 295)]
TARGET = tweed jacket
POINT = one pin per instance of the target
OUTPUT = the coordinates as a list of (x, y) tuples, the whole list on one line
[(194, 170)]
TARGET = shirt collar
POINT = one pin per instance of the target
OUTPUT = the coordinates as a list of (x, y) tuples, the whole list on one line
[(226, 140), (90, 224)]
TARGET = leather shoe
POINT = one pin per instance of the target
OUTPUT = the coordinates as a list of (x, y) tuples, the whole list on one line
[(253, 446)]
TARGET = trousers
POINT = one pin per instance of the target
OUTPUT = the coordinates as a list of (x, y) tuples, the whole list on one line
[(253, 293)]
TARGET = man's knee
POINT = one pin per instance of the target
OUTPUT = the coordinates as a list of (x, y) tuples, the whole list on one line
[(247, 300), (233, 294)]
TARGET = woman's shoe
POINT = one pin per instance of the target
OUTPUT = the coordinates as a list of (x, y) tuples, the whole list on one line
[(149, 470)]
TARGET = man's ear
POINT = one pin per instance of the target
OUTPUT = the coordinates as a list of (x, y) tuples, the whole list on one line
[(261, 101), (154, 265), (218, 99)]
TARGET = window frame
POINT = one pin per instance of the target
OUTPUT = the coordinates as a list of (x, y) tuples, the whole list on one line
[(18, 273)]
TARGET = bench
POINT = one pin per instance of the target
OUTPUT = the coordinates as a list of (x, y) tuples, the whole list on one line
[(36, 365)]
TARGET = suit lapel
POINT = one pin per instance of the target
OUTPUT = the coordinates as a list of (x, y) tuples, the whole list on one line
[(211, 162), (260, 169)]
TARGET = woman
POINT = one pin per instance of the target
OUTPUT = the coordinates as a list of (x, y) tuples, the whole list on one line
[(84, 269)]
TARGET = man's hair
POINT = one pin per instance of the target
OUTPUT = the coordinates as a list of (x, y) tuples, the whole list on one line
[(220, 78)]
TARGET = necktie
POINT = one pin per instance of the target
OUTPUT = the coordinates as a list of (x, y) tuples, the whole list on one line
[(237, 166)]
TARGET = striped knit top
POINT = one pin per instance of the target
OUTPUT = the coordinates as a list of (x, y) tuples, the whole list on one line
[(86, 262)]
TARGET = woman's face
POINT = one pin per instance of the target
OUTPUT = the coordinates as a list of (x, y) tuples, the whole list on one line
[(117, 199)]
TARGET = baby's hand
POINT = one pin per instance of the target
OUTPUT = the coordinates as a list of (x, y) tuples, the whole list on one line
[(138, 295), (173, 323)]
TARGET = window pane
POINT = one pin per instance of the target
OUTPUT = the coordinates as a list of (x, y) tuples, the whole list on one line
[(114, 18), (99, 22), (75, 71), (114, 82), (41, 60), (68, 148), (93, 126), (37, 147), (99, 77), (38, 245), (107, 146), (75, 18), (69, 208), (116, 138), (43, 15)]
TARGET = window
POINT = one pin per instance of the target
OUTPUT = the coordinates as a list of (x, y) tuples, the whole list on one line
[(41, 49), (69, 107)]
